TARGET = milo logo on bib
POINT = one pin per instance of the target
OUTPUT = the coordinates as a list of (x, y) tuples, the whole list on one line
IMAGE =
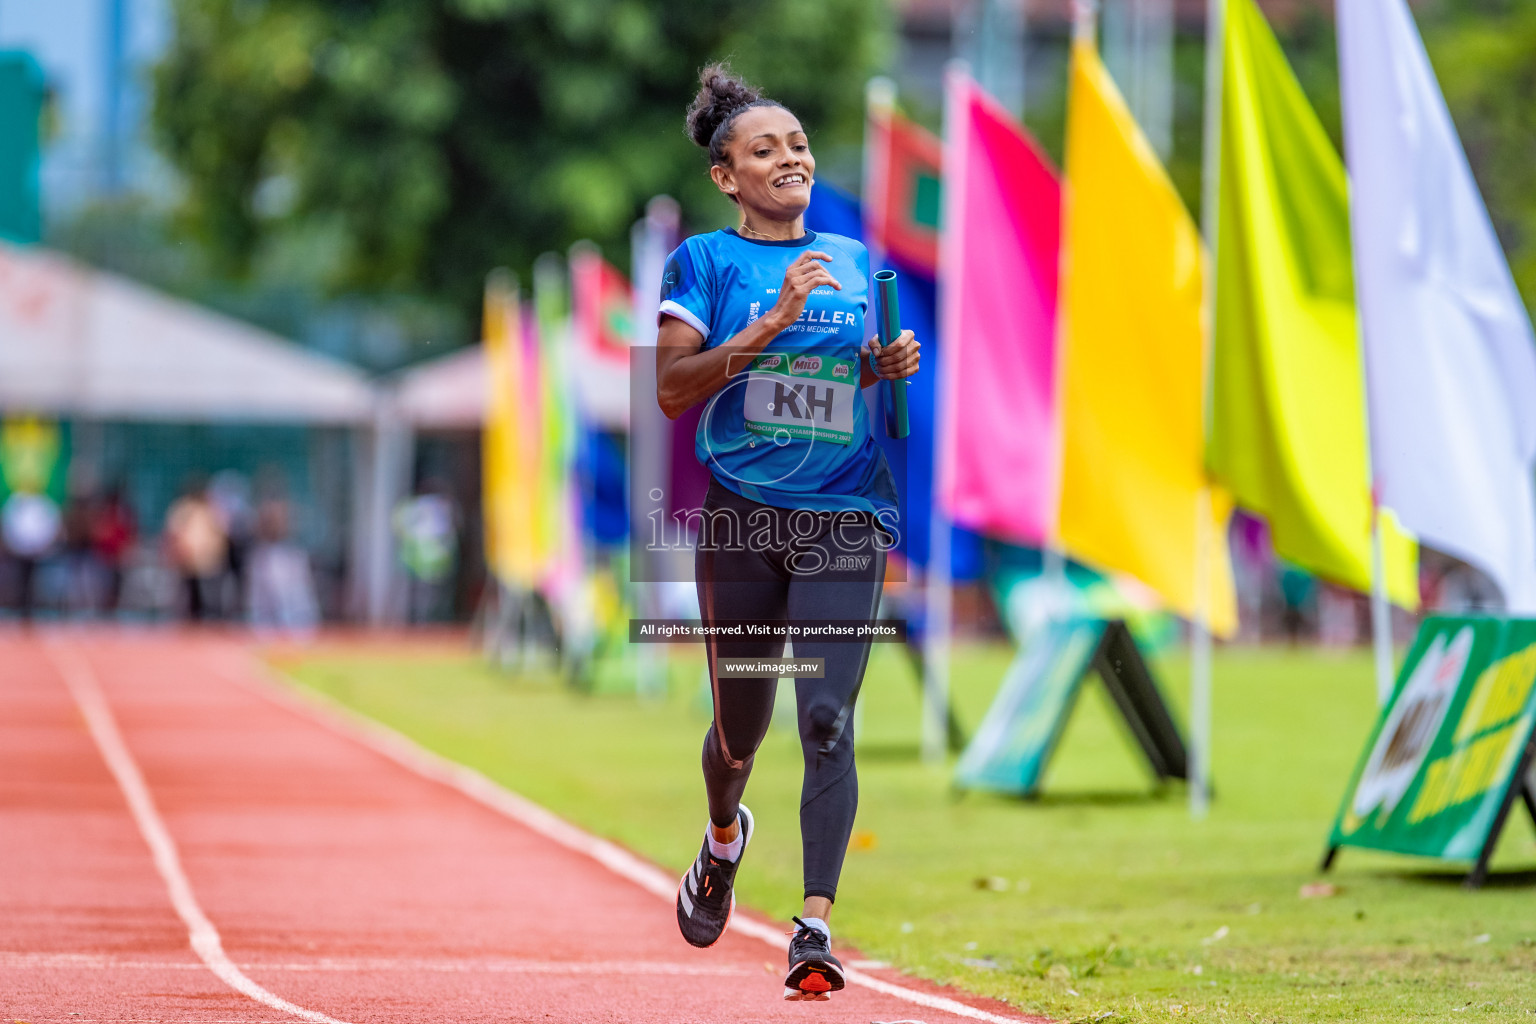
[(801, 397)]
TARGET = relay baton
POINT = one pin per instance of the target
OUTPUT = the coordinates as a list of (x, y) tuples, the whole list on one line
[(893, 393)]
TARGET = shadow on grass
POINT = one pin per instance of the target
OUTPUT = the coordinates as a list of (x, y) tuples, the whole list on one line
[(1105, 798), (1078, 798), (1522, 879), (889, 752)]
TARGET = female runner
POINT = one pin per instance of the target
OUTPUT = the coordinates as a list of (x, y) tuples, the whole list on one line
[(766, 324)]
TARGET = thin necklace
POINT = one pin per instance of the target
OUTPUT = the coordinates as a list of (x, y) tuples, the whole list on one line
[(767, 238)]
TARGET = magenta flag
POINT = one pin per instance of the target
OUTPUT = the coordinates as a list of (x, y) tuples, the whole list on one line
[(999, 251)]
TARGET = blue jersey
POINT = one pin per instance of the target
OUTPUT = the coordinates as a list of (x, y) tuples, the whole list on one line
[(791, 428)]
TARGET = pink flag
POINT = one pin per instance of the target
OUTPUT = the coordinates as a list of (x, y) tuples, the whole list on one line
[(998, 260)]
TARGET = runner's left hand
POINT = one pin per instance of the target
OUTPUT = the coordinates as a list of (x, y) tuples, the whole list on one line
[(898, 359)]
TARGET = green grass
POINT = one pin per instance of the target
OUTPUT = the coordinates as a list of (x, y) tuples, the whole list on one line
[(1102, 898)]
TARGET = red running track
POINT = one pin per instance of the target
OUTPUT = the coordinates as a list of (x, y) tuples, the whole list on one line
[(342, 884)]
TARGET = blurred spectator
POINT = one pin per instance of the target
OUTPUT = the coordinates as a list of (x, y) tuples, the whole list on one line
[(112, 532), (80, 572), (1463, 590), (1338, 616), (1298, 590), (427, 527), (1252, 567), (280, 588), (197, 546), (29, 524), (230, 493)]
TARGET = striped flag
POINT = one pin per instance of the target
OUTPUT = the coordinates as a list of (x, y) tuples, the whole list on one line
[(602, 319), (901, 188)]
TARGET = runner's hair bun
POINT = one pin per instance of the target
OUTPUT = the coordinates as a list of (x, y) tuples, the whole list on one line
[(721, 97)]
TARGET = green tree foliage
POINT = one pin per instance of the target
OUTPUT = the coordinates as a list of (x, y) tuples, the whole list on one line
[(1484, 52), (420, 143)]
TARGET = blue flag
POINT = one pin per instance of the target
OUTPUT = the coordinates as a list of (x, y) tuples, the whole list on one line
[(911, 460)]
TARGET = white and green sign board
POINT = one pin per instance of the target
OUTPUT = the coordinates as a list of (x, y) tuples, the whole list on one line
[(1451, 751)]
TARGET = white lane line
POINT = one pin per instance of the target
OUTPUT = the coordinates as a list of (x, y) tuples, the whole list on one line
[(409, 754), (343, 965), (83, 686)]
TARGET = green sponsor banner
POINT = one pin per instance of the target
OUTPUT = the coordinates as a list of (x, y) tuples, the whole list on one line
[(34, 457), (1450, 751)]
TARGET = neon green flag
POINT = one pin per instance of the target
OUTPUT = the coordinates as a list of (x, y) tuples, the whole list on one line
[(1288, 427)]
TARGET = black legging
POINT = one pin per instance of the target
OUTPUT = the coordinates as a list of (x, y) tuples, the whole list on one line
[(757, 562)]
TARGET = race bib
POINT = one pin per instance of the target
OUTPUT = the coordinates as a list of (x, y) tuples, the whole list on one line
[(802, 397)]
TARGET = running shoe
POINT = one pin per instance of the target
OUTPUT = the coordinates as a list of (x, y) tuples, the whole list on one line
[(814, 973), (706, 896)]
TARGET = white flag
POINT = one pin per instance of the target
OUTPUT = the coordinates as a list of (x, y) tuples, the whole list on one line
[(1450, 359)]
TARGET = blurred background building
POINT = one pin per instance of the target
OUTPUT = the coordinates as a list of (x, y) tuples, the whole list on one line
[(97, 56)]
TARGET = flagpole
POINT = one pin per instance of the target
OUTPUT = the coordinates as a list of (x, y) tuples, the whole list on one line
[(1200, 665), (1085, 27), (938, 597), (1381, 607), (879, 103), (938, 600), (1200, 631), (1154, 72), (651, 238), (1381, 614), (649, 458)]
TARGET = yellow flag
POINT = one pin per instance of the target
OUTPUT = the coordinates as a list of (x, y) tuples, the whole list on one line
[(1288, 423), (508, 450), (1132, 351)]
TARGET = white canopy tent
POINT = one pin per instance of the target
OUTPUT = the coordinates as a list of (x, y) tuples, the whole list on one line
[(446, 393), (451, 391), (81, 344), (78, 342)]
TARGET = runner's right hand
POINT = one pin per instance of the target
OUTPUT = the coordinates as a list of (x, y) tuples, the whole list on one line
[(803, 276)]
